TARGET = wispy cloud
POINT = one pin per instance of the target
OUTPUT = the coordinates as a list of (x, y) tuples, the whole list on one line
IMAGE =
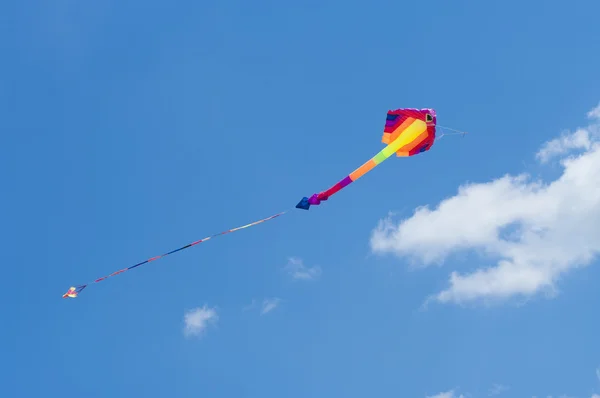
[(594, 113), (269, 305), (298, 270), (447, 394), (598, 373), (198, 319), (566, 143), (581, 139), (534, 231), (497, 389)]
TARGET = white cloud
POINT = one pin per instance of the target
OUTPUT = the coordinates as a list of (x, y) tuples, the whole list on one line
[(269, 305), (447, 394), (298, 270), (497, 389), (594, 113), (595, 396), (598, 373), (198, 319), (580, 139), (536, 231)]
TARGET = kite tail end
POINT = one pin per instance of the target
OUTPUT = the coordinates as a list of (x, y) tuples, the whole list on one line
[(304, 204)]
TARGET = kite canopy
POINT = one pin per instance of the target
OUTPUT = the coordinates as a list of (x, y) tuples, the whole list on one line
[(407, 132)]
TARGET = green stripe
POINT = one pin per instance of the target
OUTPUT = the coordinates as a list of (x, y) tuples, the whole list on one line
[(380, 157)]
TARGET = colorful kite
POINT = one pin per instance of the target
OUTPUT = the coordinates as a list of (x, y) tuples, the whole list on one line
[(407, 132)]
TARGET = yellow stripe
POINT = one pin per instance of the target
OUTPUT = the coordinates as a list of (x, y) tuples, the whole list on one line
[(390, 137), (387, 152), (405, 150), (410, 134)]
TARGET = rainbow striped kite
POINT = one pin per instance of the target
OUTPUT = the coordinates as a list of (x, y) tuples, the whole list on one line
[(407, 132)]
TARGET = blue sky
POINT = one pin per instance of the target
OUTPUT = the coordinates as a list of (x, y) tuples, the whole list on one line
[(130, 128)]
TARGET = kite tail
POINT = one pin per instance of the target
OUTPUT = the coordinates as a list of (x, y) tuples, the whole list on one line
[(410, 137), (75, 290), (369, 165)]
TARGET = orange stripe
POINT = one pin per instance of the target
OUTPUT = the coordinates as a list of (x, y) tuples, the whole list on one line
[(390, 137), (362, 170)]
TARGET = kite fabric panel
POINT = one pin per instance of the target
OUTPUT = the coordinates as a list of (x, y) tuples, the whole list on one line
[(407, 132)]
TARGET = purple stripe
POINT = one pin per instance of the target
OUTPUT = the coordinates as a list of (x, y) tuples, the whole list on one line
[(345, 181), (314, 200)]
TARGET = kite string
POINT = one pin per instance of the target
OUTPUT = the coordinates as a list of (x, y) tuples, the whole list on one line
[(451, 129)]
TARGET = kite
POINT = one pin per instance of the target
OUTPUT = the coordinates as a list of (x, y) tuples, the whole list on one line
[(407, 132)]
